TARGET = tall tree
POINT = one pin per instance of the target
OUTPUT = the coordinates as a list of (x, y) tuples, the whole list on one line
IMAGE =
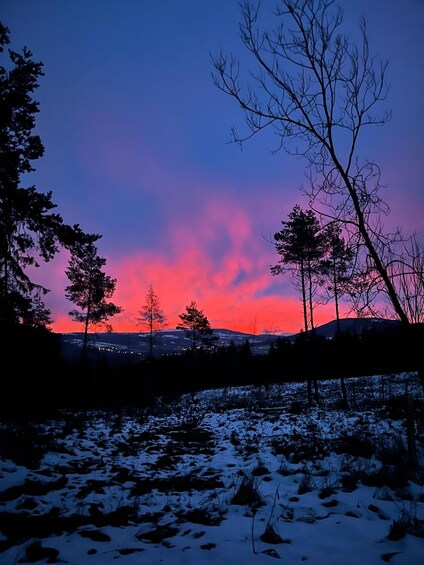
[(29, 230), (319, 92), (336, 267), (90, 288), (194, 323), (300, 245), (336, 270), (151, 316)]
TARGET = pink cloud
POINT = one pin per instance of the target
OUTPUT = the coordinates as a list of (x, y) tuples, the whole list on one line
[(232, 285)]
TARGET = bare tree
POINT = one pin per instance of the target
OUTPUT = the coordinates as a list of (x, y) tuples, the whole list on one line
[(407, 271), (320, 93), (152, 316)]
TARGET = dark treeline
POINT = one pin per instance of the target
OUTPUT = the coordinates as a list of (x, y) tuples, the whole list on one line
[(42, 377)]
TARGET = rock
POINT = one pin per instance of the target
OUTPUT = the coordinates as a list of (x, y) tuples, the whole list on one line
[(36, 552), (95, 535), (272, 553)]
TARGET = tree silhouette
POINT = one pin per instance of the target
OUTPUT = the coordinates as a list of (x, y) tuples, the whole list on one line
[(90, 288), (300, 245), (320, 93), (151, 316), (29, 230), (336, 270), (408, 272), (194, 323), (336, 267)]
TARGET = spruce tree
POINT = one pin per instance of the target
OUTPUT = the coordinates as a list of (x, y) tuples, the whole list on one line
[(30, 231)]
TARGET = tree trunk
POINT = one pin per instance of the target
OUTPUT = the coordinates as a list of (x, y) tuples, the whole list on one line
[(410, 433), (336, 296), (316, 390), (421, 375), (305, 313), (85, 342), (311, 306), (344, 392), (151, 342), (381, 269), (309, 385)]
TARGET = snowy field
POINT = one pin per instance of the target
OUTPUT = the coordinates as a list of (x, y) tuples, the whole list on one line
[(231, 476)]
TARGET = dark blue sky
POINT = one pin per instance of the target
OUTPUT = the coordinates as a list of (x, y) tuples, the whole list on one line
[(136, 138)]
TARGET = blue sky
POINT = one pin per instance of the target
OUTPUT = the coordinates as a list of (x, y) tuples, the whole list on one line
[(137, 149)]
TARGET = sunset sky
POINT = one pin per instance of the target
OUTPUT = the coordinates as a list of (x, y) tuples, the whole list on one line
[(137, 149)]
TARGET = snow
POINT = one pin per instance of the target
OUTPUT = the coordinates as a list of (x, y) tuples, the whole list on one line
[(161, 485)]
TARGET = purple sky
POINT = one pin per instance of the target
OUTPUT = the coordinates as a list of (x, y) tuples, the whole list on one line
[(136, 138)]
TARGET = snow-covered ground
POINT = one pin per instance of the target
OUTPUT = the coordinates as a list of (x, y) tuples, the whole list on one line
[(227, 476)]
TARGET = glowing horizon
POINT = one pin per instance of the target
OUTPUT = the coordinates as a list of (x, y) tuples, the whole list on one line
[(244, 318), (217, 259)]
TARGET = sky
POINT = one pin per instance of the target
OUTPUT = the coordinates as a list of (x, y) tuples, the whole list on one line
[(137, 149)]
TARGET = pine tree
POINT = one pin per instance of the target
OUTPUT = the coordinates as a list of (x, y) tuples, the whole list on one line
[(194, 323), (152, 316), (300, 245), (90, 288), (336, 266)]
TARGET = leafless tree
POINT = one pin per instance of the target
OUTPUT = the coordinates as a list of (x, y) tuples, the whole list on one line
[(407, 271), (320, 93)]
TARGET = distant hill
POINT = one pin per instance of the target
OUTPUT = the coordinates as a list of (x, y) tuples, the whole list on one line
[(356, 326), (166, 342), (119, 346)]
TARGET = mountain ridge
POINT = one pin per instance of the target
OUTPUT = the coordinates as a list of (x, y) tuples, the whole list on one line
[(173, 341)]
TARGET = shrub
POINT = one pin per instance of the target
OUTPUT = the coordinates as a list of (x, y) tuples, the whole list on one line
[(248, 494)]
